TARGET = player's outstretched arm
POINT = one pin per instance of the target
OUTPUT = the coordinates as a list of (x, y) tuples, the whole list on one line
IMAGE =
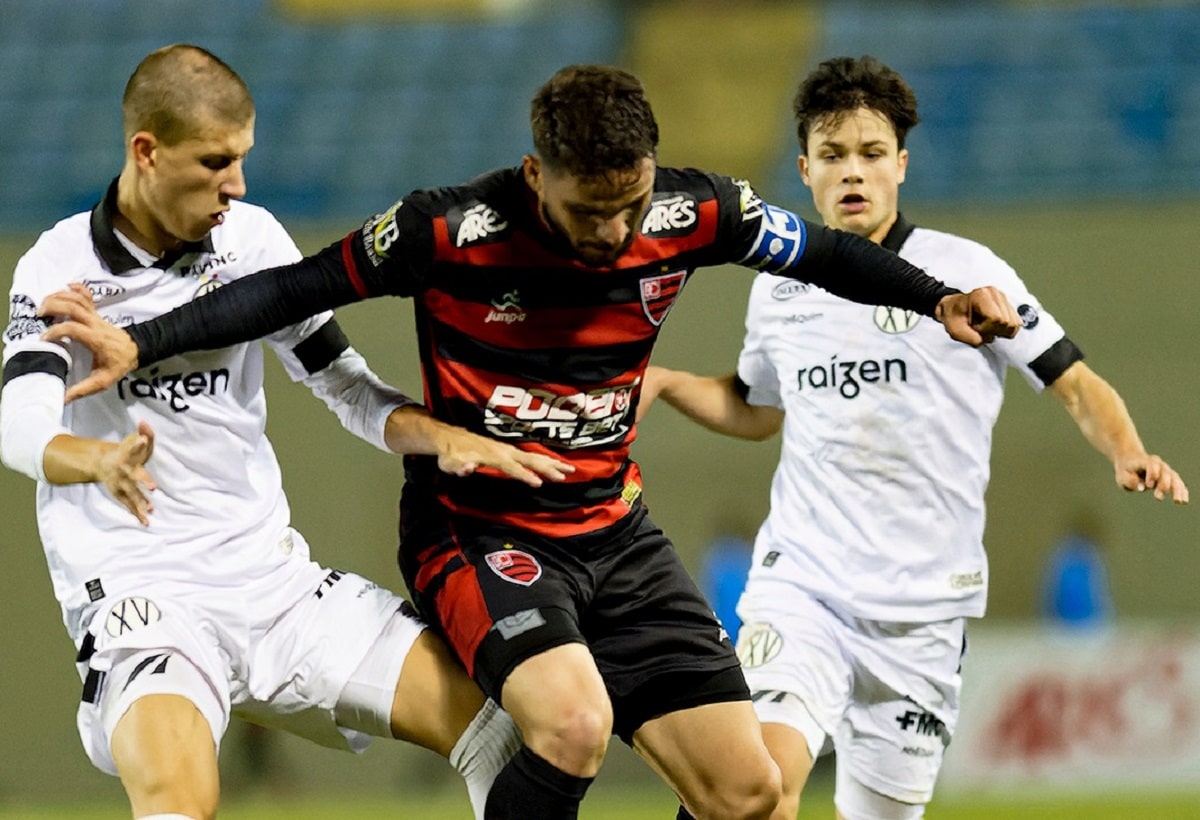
[(410, 430), (120, 467), (1105, 422), (711, 401), (978, 317)]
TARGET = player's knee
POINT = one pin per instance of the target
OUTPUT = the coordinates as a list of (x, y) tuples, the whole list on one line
[(573, 735), (752, 796)]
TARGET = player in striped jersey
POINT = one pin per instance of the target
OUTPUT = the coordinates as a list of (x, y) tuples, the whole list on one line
[(188, 595), (872, 557), (539, 291)]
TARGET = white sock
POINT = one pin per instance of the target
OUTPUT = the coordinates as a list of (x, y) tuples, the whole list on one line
[(488, 743)]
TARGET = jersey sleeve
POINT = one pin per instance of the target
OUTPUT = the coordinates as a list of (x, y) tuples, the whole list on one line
[(38, 274), (1041, 350), (754, 368)]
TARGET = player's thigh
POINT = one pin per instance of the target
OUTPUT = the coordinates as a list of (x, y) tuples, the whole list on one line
[(165, 755), (657, 642), (893, 737), (428, 699), (714, 757), (497, 596), (854, 801), (796, 655)]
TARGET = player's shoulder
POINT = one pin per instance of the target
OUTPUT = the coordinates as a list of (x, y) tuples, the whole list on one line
[(955, 259), (60, 252)]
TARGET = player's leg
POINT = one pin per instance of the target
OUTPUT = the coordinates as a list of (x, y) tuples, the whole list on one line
[(891, 744), (800, 678), (411, 688), (507, 609), (714, 758), (155, 703), (678, 692), (166, 758)]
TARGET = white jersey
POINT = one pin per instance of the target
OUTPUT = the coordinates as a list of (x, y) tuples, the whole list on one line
[(877, 504), (219, 510)]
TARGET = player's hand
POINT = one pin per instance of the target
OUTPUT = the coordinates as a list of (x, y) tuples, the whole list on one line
[(461, 452), (122, 471), (113, 352), (978, 317), (1149, 472)]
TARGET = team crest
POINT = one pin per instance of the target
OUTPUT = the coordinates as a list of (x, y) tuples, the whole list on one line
[(895, 320), (659, 294), (758, 644), (130, 614), (208, 283), (515, 565)]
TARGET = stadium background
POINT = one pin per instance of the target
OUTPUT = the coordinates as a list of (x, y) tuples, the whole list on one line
[(1060, 134)]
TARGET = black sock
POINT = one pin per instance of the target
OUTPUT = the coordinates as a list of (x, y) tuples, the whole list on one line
[(683, 814), (529, 787)]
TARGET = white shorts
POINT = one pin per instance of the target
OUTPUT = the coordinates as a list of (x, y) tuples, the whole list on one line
[(278, 650), (883, 695)]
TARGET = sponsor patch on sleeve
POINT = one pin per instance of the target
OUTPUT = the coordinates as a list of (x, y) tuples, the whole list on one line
[(379, 234), (23, 319)]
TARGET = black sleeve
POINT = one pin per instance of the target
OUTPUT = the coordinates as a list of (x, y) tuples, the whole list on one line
[(250, 308), (1054, 362), (859, 270)]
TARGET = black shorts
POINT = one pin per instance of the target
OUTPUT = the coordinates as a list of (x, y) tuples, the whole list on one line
[(499, 595)]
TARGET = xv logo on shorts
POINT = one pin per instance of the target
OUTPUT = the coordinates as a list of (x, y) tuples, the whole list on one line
[(130, 614), (515, 566)]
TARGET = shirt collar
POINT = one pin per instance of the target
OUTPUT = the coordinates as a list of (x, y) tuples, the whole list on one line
[(116, 256), (898, 233)]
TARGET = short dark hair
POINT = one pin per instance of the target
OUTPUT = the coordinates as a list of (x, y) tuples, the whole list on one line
[(591, 119), (178, 91), (841, 85)]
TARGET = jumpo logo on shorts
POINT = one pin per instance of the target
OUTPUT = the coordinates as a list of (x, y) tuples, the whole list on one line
[(515, 566), (130, 614), (758, 644)]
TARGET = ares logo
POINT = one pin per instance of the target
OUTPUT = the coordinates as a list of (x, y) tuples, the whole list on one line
[(507, 309), (670, 215), (476, 224), (895, 320)]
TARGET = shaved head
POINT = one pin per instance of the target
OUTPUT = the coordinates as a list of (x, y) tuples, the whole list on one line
[(180, 91)]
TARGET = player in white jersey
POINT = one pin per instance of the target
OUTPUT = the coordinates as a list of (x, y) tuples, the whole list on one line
[(871, 557), (187, 594)]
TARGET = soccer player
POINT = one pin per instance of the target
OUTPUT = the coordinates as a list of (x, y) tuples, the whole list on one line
[(539, 291), (872, 556), (188, 595)]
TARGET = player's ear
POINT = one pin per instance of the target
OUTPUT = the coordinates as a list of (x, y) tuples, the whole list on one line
[(902, 163), (802, 166), (531, 166), (142, 147)]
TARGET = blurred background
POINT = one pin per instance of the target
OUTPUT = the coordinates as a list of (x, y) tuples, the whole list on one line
[(1061, 134)]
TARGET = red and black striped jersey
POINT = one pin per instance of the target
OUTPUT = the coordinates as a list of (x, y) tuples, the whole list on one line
[(522, 341)]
